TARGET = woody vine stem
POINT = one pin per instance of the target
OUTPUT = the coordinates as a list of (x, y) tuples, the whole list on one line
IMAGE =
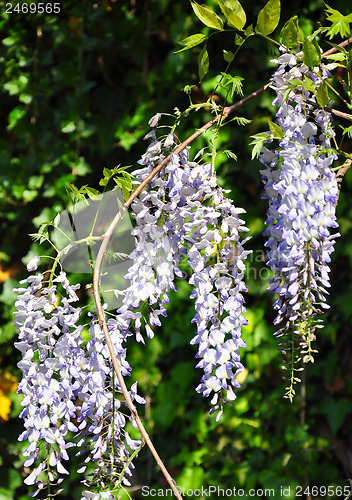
[(106, 238)]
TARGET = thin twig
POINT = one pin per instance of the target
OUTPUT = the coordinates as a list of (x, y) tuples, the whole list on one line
[(335, 49), (341, 114), (333, 111), (341, 173)]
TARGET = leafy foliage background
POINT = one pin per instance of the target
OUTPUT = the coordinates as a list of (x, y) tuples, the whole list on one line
[(76, 92)]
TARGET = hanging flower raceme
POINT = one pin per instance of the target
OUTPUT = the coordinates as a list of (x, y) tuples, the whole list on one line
[(302, 193), (70, 396), (50, 341), (157, 252), (101, 419), (183, 212), (216, 257)]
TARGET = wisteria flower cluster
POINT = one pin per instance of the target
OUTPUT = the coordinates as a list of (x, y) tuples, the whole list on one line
[(302, 193), (183, 213), (69, 393)]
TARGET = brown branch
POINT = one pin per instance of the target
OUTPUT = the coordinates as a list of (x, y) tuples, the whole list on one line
[(341, 173), (336, 112), (335, 49)]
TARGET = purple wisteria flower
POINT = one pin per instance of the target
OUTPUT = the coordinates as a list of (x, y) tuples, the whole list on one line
[(101, 419), (184, 213), (216, 257), (69, 393), (302, 193), (49, 340)]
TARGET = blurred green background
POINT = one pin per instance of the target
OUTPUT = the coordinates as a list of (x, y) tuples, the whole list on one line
[(76, 91)]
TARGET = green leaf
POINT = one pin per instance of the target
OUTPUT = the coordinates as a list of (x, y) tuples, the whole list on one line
[(268, 17), (311, 53), (203, 63), (240, 120), (8, 296), (109, 173), (239, 40), (309, 85), (15, 116), (228, 55), (207, 16), (258, 142), (68, 127), (93, 194), (234, 81), (295, 83), (9, 41), (289, 33), (12, 87), (72, 187), (276, 130), (335, 411), (234, 13), (188, 89), (340, 59), (340, 23), (35, 181), (322, 95), (249, 30), (191, 41), (348, 131), (235, 6), (126, 186), (230, 154), (25, 98)]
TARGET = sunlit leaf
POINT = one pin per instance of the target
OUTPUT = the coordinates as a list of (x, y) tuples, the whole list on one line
[(322, 95), (268, 17), (258, 143), (207, 16), (192, 41), (234, 13), (239, 40), (311, 53), (339, 57), (249, 30), (15, 116), (276, 130), (289, 33), (203, 63), (230, 154), (308, 84), (234, 82), (340, 23), (93, 194)]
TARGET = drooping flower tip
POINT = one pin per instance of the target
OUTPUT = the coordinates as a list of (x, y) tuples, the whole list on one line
[(302, 193), (169, 141), (153, 122), (33, 264)]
